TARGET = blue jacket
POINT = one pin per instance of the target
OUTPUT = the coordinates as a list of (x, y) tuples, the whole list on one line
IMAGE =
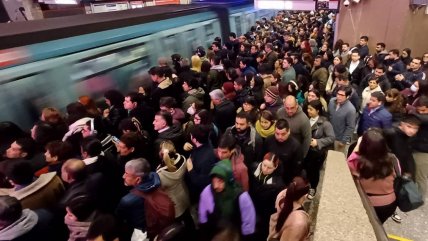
[(380, 118), (131, 206)]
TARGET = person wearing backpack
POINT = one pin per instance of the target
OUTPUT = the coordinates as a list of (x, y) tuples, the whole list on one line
[(223, 204), (146, 208)]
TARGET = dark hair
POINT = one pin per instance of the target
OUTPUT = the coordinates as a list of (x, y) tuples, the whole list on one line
[(62, 150), (375, 162), (411, 119), (289, 60), (243, 115), (295, 190), (28, 146), (20, 173), (217, 44), (115, 97), (46, 132), (82, 207), (192, 83), (379, 96), (168, 102), (395, 51), (105, 225), (227, 141), (200, 133), (233, 75), (75, 112), (381, 66), (205, 117), (397, 105), (250, 100), (282, 124), (346, 89), (92, 146), (131, 139), (232, 34), (240, 81), (422, 101), (365, 38), (205, 66), (317, 105), (382, 45), (166, 116), (408, 51), (267, 115), (10, 210), (264, 69)]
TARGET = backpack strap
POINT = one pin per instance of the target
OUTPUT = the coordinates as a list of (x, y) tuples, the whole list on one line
[(397, 167)]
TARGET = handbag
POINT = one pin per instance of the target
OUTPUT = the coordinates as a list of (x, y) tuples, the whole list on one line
[(406, 191)]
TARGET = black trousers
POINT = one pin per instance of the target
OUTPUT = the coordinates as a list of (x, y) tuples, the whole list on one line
[(314, 160)]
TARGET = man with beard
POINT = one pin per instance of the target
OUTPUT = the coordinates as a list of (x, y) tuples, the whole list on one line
[(379, 73), (247, 138), (381, 52)]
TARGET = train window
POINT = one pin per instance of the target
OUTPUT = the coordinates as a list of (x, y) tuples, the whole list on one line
[(170, 45), (238, 25)]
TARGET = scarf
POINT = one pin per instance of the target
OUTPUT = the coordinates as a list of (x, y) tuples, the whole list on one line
[(265, 133), (78, 230)]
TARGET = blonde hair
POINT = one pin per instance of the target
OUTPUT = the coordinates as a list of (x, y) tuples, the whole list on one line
[(52, 115), (196, 63), (167, 148)]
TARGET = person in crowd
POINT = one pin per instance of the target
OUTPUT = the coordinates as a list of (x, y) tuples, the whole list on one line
[(265, 124), (322, 140), (140, 178), (375, 114), (395, 104), (319, 74), (291, 221), (196, 63), (271, 55), (363, 49), (241, 91), (379, 73), (44, 132), (105, 227), (395, 65), (373, 166), (224, 110), (406, 56), (299, 122), (141, 111), (245, 66), (224, 202), (229, 152), (19, 224), (201, 117), (272, 100), (255, 87), (9, 132), (166, 130), (266, 75), (216, 75), (200, 162), (287, 148), (115, 111), (247, 138), (411, 94), (366, 94), (355, 68), (193, 94), (289, 73), (343, 80), (43, 192), (129, 147), (409, 77), (164, 85), (314, 94), (169, 104), (229, 91), (81, 211), (381, 52), (249, 106), (369, 67), (171, 173), (342, 117), (57, 152)]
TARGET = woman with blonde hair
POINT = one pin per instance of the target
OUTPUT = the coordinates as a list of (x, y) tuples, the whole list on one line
[(196, 63)]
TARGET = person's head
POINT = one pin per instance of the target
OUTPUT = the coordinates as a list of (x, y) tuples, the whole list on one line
[(416, 63), (131, 101), (90, 147), (51, 115), (232, 36), (355, 55), (296, 192), (130, 125), (380, 47), (167, 153), (270, 163), (409, 125), (43, 132), (199, 135), (392, 95), (313, 94), (343, 93), (80, 208), (318, 61), (377, 99), (114, 98), (190, 84), (239, 84), (221, 177), (345, 47), (217, 96), (290, 105), (128, 144), (373, 83), (364, 40), (157, 74), (287, 63), (379, 70), (23, 148), (282, 130), (249, 103), (105, 227), (73, 170), (167, 103), (394, 54), (20, 174), (425, 58), (163, 119), (267, 119), (216, 46), (373, 145), (135, 172), (337, 60), (10, 210), (58, 151), (268, 47), (226, 146), (406, 53), (242, 123), (422, 105), (202, 117), (315, 108), (271, 94)]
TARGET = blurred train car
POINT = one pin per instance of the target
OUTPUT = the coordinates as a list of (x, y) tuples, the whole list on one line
[(89, 54)]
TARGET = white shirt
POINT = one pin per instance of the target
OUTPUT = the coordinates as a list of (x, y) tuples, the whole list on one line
[(353, 66), (313, 120)]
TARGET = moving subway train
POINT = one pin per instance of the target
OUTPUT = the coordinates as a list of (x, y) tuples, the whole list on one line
[(52, 62)]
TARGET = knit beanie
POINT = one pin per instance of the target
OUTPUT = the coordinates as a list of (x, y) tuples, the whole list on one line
[(228, 87), (272, 92)]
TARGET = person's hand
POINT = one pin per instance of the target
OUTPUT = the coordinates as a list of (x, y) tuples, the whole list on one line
[(189, 164), (314, 142), (390, 68), (106, 112), (187, 146), (263, 106)]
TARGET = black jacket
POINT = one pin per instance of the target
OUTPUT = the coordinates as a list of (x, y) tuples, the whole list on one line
[(224, 115), (399, 144)]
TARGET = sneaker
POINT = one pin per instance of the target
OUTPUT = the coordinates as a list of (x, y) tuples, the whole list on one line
[(311, 193), (396, 218)]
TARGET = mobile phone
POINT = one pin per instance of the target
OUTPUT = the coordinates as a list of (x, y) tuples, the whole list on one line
[(115, 140)]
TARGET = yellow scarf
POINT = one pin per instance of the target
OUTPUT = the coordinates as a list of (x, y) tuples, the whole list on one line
[(265, 133)]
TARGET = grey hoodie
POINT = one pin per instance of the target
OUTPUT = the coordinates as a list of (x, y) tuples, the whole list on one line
[(23, 225)]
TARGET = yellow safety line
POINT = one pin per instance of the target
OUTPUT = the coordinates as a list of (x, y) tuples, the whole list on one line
[(395, 237)]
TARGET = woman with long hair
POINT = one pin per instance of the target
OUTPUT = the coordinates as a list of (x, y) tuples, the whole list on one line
[(395, 104), (373, 166), (291, 221)]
